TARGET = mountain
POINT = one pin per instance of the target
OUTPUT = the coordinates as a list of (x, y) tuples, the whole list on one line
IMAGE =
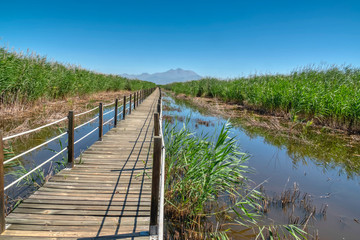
[(173, 75)]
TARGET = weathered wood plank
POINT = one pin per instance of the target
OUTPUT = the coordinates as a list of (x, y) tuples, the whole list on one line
[(85, 207)]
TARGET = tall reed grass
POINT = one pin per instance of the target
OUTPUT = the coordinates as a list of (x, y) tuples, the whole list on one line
[(329, 95), (25, 77), (206, 185)]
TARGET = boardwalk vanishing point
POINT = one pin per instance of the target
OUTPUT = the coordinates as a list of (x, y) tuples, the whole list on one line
[(106, 195)]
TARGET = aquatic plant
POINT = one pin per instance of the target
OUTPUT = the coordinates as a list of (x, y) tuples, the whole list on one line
[(205, 178)]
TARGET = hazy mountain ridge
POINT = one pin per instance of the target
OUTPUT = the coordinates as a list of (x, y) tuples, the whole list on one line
[(173, 75)]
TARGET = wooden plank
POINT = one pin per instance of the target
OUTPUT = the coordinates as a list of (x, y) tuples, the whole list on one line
[(85, 207), (59, 234), (62, 212), (108, 229), (61, 238), (86, 202)]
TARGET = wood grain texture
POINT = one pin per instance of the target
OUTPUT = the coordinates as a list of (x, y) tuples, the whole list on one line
[(106, 195)]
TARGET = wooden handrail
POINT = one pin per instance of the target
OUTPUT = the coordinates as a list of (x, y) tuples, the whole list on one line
[(2, 195), (157, 194), (155, 185), (116, 112), (124, 108), (71, 138), (101, 120)]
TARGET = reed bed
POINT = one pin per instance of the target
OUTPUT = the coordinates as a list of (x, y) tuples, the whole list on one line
[(328, 95), (206, 189), (26, 77)]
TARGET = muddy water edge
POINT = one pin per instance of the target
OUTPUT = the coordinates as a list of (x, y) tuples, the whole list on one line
[(320, 166)]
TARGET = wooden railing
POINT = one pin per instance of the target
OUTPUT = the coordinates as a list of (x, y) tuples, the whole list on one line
[(127, 105), (158, 176)]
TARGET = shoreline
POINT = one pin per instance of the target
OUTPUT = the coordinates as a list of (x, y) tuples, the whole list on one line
[(269, 121)]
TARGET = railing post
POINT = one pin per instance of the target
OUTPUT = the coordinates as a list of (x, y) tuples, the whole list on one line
[(116, 112), (124, 108), (134, 100), (101, 119), (2, 194), (71, 138), (156, 124), (159, 106), (130, 104), (137, 98), (155, 185)]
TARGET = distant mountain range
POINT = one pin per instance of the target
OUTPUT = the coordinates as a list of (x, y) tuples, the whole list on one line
[(173, 75)]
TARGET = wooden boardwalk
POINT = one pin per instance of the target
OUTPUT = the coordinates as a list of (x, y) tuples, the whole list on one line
[(107, 194)]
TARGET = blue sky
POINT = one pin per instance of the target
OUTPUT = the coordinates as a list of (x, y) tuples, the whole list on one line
[(213, 38)]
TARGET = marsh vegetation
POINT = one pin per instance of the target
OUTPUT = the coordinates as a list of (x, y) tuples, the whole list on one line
[(324, 95), (26, 77), (207, 189)]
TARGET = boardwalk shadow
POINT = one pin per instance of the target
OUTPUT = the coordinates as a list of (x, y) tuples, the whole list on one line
[(140, 141), (120, 236)]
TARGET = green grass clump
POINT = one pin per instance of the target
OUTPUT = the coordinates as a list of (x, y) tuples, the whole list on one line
[(331, 95), (28, 77), (205, 179)]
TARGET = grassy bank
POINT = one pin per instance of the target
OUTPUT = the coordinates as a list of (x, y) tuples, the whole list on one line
[(28, 77), (328, 96)]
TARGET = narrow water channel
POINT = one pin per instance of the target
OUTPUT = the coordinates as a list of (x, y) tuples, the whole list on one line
[(324, 166)]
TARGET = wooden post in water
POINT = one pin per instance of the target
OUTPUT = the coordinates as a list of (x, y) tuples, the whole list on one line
[(2, 194), (71, 138), (155, 186), (156, 124), (101, 119), (124, 108), (130, 104), (116, 112)]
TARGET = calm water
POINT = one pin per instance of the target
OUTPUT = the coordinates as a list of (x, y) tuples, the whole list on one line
[(324, 166)]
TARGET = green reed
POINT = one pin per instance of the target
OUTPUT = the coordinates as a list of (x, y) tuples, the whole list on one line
[(205, 178), (331, 95), (28, 77)]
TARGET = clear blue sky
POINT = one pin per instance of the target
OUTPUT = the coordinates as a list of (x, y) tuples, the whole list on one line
[(213, 38)]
